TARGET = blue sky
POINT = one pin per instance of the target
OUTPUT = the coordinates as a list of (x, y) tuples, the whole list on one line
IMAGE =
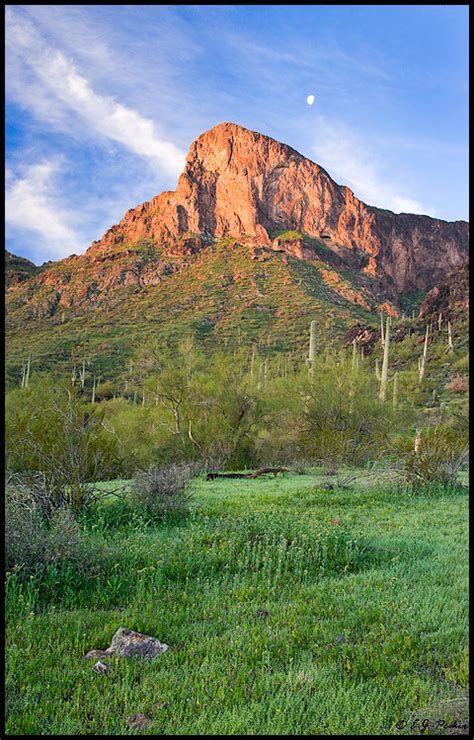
[(103, 102)]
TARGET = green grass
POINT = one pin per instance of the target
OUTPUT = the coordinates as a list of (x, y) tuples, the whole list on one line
[(288, 235), (279, 621)]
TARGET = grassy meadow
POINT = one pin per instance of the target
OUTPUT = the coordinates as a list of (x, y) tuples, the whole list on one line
[(288, 609)]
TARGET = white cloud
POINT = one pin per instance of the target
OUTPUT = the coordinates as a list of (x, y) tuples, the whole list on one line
[(346, 158), (32, 204), (52, 88)]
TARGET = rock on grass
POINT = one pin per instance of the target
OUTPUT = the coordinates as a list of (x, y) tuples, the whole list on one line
[(128, 643)]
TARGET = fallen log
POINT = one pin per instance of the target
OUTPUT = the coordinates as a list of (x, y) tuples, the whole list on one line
[(264, 471), (256, 474), (211, 476)]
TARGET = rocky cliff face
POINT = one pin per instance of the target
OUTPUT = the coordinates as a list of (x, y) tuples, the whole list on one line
[(18, 269), (269, 199), (255, 242), (240, 183), (450, 298)]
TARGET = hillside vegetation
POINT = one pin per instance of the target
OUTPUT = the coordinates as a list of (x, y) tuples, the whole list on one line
[(226, 301), (221, 295)]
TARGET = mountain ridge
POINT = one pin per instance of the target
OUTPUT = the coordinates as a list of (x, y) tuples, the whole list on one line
[(237, 182), (241, 184), (255, 240)]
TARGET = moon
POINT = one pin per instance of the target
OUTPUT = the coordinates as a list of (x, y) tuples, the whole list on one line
[(310, 99)]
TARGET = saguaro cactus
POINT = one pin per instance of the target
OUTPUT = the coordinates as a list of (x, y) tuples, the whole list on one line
[(421, 373), (396, 384), (382, 336), (82, 374), (417, 441), (450, 339), (252, 362), (377, 369), (384, 378), (26, 373), (265, 372), (355, 358), (312, 348)]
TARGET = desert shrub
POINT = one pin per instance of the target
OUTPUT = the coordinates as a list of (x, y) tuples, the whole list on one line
[(24, 525), (52, 432), (162, 490), (457, 385), (65, 539), (208, 406), (458, 418), (105, 391), (302, 467), (342, 422), (441, 456), (462, 363), (345, 449), (34, 539), (138, 430)]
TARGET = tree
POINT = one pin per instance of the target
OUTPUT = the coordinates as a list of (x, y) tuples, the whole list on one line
[(52, 432), (342, 421)]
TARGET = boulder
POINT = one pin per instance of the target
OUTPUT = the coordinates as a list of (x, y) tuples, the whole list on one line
[(127, 643), (139, 721)]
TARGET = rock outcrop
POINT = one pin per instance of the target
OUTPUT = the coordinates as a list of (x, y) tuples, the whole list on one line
[(240, 183), (242, 188), (18, 269), (450, 298)]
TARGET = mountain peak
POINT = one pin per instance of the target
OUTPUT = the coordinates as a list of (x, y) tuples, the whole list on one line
[(192, 257), (227, 140), (242, 184), (230, 130)]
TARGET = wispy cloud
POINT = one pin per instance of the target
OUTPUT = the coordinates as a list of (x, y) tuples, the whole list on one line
[(112, 96), (320, 56), (354, 163), (61, 88), (33, 204)]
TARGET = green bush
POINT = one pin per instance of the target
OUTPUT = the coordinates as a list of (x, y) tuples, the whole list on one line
[(33, 540), (302, 467), (24, 526), (441, 456), (208, 406), (105, 391), (342, 422), (162, 490), (52, 432)]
